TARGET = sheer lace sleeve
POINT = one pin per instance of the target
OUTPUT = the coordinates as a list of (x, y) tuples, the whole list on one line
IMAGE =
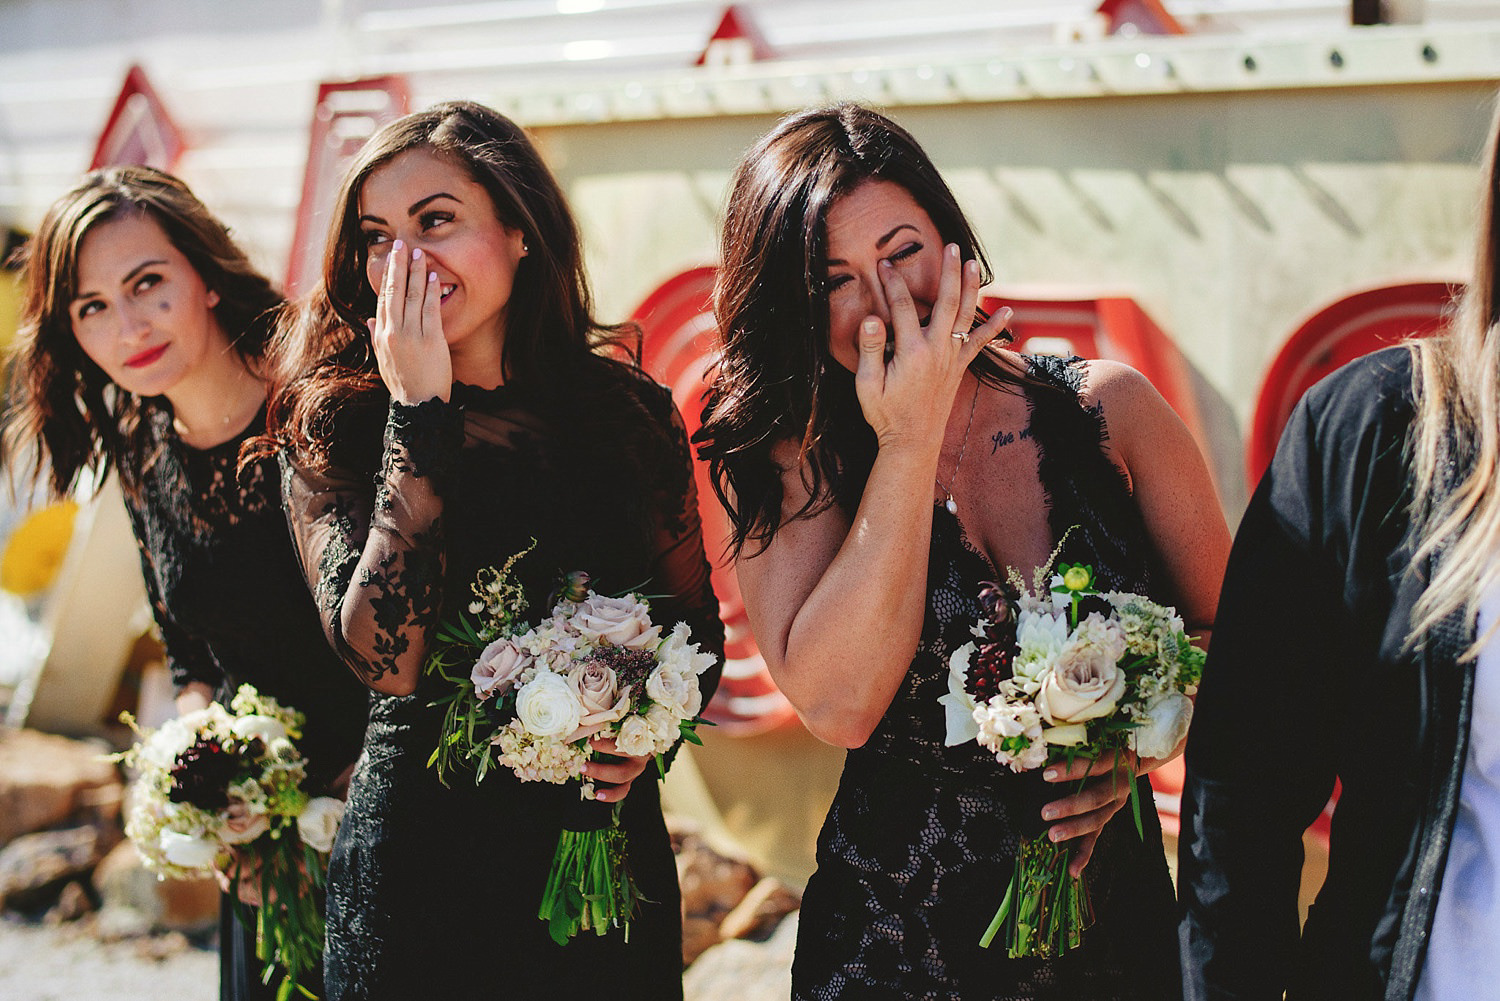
[(681, 567), (373, 556)]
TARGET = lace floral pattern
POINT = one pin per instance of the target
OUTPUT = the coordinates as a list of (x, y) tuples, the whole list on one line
[(921, 837), (426, 881)]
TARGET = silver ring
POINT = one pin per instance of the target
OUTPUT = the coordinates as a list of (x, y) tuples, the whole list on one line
[(960, 335)]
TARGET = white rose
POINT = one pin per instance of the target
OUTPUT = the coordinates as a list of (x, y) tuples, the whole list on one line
[(242, 824), (548, 706), (665, 728), (1084, 684), (319, 822), (264, 728), (189, 851), (621, 621), (498, 667), (635, 737), (958, 705), (599, 698), (676, 692), (1166, 723)]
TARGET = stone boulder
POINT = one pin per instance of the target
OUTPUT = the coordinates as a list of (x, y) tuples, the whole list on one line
[(712, 884), (34, 868), (48, 781), (740, 970), (133, 901)]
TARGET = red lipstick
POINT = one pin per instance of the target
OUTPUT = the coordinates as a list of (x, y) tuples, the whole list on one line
[(145, 357)]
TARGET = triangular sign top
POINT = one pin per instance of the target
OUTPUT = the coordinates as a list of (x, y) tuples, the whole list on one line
[(1147, 17), (735, 40), (139, 130)]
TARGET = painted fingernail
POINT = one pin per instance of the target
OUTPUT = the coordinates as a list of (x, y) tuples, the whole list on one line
[(397, 245), (431, 277), (1049, 814), (870, 327), (886, 264), (952, 250), (1050, 774), (1055, 834)]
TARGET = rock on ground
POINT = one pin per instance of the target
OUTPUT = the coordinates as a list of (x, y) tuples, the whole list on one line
[(67, 963), (740, 970)]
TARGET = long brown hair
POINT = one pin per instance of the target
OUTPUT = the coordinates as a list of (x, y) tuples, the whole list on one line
[(776, 380), (1456, 379), (62, 403), (326, 367)]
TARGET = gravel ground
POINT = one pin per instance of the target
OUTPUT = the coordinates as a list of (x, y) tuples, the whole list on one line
[(65, 963)]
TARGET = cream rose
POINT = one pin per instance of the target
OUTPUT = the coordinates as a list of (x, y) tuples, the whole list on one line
[(548, 706), (599, 698), (675, 691), (189, 851), (498, 667), (1085, 683), (242, 825), (264, 728), (1166, 723), (621, 621), (319, 822), (635, 737)]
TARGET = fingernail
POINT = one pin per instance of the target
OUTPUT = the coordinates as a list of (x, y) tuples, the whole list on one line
[(1049, 814), (886, 263), (1006, 313), (431, 277), (1050, 774), (397, 245), (870, 327), (1055, 834), (952, 250), (416, 255)]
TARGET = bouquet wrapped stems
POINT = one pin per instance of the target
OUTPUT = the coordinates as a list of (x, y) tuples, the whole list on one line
[(589, 887), (1045, 908), (289, 927)]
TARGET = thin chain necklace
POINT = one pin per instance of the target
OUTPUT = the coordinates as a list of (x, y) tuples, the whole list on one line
[(950, 503)]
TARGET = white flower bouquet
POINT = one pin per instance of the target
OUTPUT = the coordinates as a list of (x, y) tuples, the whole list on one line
[(223, 789), (531, 698), (1058, 673)]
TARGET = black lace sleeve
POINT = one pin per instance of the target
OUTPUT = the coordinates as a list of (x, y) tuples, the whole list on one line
[(374, 555), (188, 656)]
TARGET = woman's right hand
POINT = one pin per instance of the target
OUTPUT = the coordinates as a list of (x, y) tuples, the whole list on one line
[(407, 331), (909, 395)]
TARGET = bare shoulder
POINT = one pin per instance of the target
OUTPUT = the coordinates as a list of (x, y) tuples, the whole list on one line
[(1118, 387)]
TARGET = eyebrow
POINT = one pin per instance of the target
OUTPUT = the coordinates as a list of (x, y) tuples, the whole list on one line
[(880, 243), (129, 277), (416, 206)]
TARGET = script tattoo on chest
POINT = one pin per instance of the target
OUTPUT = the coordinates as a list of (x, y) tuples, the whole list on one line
[(1000, 439)]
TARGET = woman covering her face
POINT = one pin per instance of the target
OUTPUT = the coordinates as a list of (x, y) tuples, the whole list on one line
[(881, 456), (141, 351), (448, 410)]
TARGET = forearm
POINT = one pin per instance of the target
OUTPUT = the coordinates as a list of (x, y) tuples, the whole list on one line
[(850, 643)]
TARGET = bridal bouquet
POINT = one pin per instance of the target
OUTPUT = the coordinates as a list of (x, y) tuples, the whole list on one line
[(217, 787), (1057, 673), (531, 697)]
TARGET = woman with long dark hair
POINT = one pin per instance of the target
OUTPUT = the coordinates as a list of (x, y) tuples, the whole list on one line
[(142, 350), (1356, 645), (880, 457), (448, 406)]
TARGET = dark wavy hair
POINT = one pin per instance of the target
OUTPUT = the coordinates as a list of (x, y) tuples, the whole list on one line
[(325, 367), (61, 402), (776, 380)]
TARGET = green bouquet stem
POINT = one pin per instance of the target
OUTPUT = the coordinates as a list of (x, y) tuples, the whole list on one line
[(1045, 910), (289, 929), (589, 887)]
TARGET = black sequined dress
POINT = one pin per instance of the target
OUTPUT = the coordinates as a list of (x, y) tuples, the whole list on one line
[(232, 608), (434, 890), (920, 842)]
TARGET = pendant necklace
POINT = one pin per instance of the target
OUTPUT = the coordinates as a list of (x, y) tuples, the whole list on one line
[(950, 503)]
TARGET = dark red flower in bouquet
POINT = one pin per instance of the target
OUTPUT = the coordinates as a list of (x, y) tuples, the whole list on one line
[(996, 652), (202, 775), (631, 666)]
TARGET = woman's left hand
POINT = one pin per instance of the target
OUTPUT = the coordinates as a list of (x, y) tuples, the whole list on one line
[(1084, 814), (612, 779)]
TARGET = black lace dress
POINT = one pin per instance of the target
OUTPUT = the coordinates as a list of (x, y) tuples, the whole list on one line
[(434, 890), (232, 608), (919, 845)]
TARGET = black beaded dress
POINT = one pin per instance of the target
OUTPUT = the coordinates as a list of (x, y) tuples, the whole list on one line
[(433, 890), (920, 842), (229, 599)]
